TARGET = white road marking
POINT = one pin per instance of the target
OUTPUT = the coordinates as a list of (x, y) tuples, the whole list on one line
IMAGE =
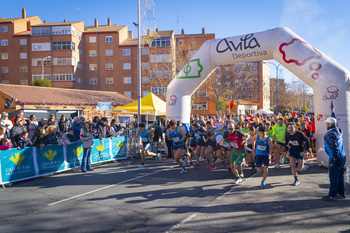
[(109, 186)]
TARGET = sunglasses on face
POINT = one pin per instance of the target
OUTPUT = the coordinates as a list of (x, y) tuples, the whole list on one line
[(280, 122), (229, 128)]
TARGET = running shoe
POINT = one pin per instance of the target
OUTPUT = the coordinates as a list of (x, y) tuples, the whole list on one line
[(340, 197), (185, 161), (212, 167), (201, 158), (241, 174), (191, 164), (277, 166), (263, 185), (238, 180), (329, 198), (197, 166), (215, 158), (141, 166), (282, 160), (183, 171), (296, 183)]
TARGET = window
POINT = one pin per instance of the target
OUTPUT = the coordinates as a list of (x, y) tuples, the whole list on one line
[(92, 53), (109, 80), (23, 82), (64, 61), (5, 81), (40, 76), (22, 41), (64, 77), (161, 42), (80, 52), (109, 66), (93, 81), (180, 42), (145, 65), (228, 83), (63, 46), (218, 84), (80, 65), (144, 93), (145, 51), (218, 76), (79, 80), (126, 66), (227, 68), (109, 38), (3, 28), (4, 42), (158, 90), (92, 39), (23, 55), (92, 67), (4, 56), (127, 93), (201, 93), (109, 52), (127, 80), (126, 52), (159, 58), (78, 36), (38, 62), (41, 47), (199, 106), (41, 31), (4, 69), (63, 30), (160, 73), (23, 69), (145, 79)]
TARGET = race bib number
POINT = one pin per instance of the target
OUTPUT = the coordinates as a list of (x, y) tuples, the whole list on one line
[(197, 135), (145, 139), (262, 148), (219, 138), (234, 144), (225, 144), (176, 139), (294, 143)]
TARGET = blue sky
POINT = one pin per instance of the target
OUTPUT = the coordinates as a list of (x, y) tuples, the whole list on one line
[(325, 24)]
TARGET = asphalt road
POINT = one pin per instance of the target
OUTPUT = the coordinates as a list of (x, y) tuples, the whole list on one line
[(115, 197)]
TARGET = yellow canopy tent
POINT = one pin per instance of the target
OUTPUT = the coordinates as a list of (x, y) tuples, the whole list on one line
[(151, 105)]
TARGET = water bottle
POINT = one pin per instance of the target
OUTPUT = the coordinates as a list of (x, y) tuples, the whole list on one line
[(348, 174)]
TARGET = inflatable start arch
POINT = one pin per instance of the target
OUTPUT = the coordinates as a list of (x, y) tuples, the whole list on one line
[(329, 80)]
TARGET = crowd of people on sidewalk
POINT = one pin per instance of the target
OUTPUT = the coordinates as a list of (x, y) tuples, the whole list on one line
[(257, 141)]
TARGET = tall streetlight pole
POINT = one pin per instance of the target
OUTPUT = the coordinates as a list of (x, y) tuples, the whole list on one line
[(42, 66), (276, 85), (139, 63)]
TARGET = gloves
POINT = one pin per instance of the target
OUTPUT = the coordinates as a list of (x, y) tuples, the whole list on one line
[(335, 162)]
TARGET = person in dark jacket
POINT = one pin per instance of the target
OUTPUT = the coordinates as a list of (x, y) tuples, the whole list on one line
[(103, 128), (39, 138), (22, 141), (334, 147), (51, 135), (71, 136), (17, 129), (64, 124), (77, 125)]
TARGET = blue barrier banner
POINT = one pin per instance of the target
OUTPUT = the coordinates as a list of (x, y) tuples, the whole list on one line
[(119, 147), (17, 164), (32, 162), (74, 154), (50, 159)]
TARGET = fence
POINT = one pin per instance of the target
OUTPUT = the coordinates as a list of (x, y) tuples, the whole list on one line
[(30, 162)]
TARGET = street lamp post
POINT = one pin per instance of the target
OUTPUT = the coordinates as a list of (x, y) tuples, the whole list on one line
[(42, 67), (276, 86)]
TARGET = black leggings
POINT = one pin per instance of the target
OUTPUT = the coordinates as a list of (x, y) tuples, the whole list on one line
[(169, 145)]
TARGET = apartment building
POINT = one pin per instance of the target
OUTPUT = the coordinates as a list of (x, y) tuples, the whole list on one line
[(104, 57)]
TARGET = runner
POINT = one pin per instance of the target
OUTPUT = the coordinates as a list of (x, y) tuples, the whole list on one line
[(146, 142), (262, 148), (279, 131), (178, 137), (237, 140), (298, 145), (198, 141), (187, 153), (249, 152)]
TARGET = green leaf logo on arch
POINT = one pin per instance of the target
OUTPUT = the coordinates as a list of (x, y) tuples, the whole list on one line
[(192, 69)]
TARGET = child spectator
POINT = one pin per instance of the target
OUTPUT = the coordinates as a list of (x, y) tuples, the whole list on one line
[(51, 135), (22, 141), (95, 134), (3, 132), (5, 144), (63, 140), (39, 138), (70, 135)]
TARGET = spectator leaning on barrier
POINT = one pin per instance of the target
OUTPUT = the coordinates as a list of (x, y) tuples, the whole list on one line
[(21, 141), (39, 138), (71, 136), (76, 126), (64, 124), (88, 143), (33, 124), (51, 135), (102, 128), (5, 144), (17, 129), (334, 147), (63, 140)]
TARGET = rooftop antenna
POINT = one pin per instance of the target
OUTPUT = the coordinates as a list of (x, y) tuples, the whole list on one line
[(177, 20), (80, 10)]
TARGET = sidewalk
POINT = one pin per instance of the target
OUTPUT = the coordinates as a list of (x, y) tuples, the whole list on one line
[(280, 207)]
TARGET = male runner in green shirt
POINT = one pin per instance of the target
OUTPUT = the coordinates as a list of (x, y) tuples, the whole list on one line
[(279, 131)]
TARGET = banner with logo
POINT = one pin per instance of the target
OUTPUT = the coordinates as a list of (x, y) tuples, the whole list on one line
[(30, 162)]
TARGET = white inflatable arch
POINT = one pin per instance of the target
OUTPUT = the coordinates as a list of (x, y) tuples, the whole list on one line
[(329, 80)]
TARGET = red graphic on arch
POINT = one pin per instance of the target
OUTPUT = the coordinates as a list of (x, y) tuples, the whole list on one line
[(299, 63)]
